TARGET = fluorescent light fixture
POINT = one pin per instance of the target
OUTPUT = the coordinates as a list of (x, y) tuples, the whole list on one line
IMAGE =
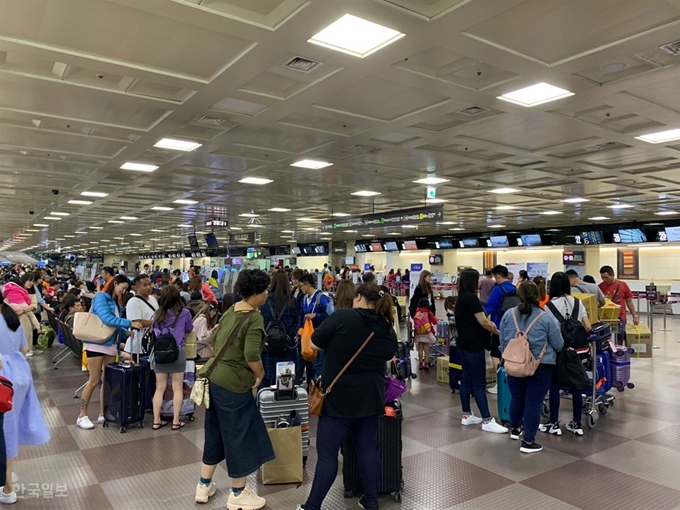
[(310, 229), (446, 223), (80, 202), (409, 226), (131, 218), (350, 231), (136, 235), (248, 215), (312, 164), (139, 167), (60, 214), (393, 234), (177, 145), (496, 226), (279, 209), (355, 36), (550, 213), (97, 194), (457, 229), (599, 218), (505, 207), (288, 231), (661, 136), (55, 218), (185, 202), (116, 221), (536, 94), (576, 200), (365, 193), (307, 219), (435, 200), (32, 230), (504, 191), (235, 228), (431, 180), (620, 206), (68, 235), (156, 230), (666, 213), (96, 228), (161, 208), (367, 235), (185, 226), (255, 180), (80, 232), (340, 215)]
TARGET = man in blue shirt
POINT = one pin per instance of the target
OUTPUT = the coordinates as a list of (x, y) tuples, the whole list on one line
[(503, 290), (315, 306)]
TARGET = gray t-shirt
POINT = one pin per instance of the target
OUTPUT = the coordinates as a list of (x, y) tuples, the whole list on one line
[(589, 288)]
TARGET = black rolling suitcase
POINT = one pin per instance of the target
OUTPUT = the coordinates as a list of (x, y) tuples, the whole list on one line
[(390, 446), (403, 366), (124, 394)]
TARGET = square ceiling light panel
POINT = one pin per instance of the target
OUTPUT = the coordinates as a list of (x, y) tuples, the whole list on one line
[(356, 36), (661, 136), (139, 167), (536, 94), (177, 145), (255, 180), (431, 181), (312, 164)]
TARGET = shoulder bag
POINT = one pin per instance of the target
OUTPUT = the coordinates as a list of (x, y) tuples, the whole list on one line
[(90, 328), (316, 391), (200, 393)]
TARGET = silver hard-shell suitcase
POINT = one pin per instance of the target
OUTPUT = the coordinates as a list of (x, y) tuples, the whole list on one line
[(273, 411)]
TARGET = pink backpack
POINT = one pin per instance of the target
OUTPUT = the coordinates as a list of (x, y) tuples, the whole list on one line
[(517, 357)]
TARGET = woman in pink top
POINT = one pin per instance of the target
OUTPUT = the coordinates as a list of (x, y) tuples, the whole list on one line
[(196, 284), (17, 296), (205, 327)]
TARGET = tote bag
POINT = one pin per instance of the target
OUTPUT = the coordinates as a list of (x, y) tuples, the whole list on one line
[(306, 333), (90, 328), (287, 467)]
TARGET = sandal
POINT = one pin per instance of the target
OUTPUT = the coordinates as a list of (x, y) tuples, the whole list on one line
[(177, 426), (158, 426)]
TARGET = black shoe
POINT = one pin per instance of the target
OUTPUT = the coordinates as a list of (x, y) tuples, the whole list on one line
[(530, 448), (515, 433), (367, 506)]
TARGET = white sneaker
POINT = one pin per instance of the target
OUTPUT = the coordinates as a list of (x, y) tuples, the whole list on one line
[(574, 427), (29, 354), (472, 420), (101, 420), (37, 351), (247, 500), (493, 390), (551, 428), (492, 426), (85, 423), (8, 499), (205, 492)]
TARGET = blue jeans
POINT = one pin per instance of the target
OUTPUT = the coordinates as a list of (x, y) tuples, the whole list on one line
[(527, 401), (577, 398), (473, 381), (331, 433)]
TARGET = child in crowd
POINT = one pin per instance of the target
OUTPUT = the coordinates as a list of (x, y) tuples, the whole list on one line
[(424, 322), (51, 291)]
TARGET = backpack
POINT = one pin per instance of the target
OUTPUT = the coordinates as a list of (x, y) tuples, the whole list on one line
[(330, 307), (165, 350), (509, 300), (570, 371), (278, 340), (421, 323), (517, 357), (573, 332), (149, 337), (217, 291)]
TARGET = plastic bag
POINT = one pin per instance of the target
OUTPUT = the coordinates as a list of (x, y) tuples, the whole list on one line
[(306, 333)]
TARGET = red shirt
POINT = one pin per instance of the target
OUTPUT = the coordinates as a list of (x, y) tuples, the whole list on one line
[(618, 292)]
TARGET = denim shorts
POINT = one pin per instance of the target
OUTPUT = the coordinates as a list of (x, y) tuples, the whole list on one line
[(235, 432)]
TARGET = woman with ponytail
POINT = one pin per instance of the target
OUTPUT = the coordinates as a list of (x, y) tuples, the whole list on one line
[(358, 397), (24, 424)]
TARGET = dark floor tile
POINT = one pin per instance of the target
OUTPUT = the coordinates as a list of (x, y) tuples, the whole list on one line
[(433, 398), (439, 429), (70, 413), (67, 382), (594, 441), (649, 409), (668, 437), (139, 457), (61, 442), (84, 498), (591, 486)]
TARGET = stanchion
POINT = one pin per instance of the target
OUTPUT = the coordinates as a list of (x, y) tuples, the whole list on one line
[(665, 328)]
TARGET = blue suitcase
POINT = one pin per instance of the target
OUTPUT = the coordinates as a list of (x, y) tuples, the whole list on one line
[(124, 394), (504, 398), (455, 368), (603, 373)]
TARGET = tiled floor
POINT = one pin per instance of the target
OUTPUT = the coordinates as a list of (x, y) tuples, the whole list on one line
[(629, 461)]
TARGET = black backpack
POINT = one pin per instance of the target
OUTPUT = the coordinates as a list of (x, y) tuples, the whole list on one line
[(509, 300), (570, 371), (573, 332), (165, 349), (278, 340)]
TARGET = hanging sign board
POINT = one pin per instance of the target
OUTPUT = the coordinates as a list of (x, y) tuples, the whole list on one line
[(388, 219), (246, 238)]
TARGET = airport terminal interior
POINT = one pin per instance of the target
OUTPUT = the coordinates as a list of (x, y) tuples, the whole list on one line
[(376, 135)]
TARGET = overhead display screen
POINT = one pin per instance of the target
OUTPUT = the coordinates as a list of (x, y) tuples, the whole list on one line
[(470, 242), (409, 245), (530, 240), (630, 235), (376, 247), (444, 244), (673, 234), (591, 237), (499, 241), (360, 248), (391, 246)]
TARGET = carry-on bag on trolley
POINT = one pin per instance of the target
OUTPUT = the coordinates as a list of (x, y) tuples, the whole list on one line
[(274, 410), (620, 368), (443, 333), (403, 369), (125, 388), (603, 375), (601, 334), (390, 447), (503, 396)]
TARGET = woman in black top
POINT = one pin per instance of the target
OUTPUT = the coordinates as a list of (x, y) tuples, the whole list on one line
[(474, 330), (423, 290), (358, 398)]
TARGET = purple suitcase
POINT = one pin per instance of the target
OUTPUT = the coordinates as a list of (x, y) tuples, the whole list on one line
[(620, 367)]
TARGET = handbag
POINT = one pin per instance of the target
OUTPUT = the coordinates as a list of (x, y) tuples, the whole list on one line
[(316, 391), (200, 393), (90, 328), (306, 333), (6, 395)]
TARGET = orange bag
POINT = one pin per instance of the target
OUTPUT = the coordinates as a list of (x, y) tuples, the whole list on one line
[(306, 341)]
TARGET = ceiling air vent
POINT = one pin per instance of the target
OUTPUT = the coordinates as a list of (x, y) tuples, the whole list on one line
[(211, 121), (609, 145), (474, 110), (302, 64), (671, 48)]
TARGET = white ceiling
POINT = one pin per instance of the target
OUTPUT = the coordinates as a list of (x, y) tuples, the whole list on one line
[(87, 85)]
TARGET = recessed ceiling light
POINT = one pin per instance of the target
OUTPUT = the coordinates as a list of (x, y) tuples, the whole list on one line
[(614, 67), (355, 36), (575, 200), (666, 213), (161, 208), (279, 209), (116, 221), (550, 213), (55, 218), (431, 180), (185, 202), (177, 145), (435, 200), (235, 228), (504, 191), (255, 180), (80, 232), (139, 167), (446, 223), (365, 193), (80, 202), (661, 136), (350, 231), (131, 218), (288, 231), (156, 230), (367, 235), (32, 230), (97, 194), (536, 94), (505, 207), (136, 235), (620, 206), (248, 215), (311, 163), (310, 229), (393, 234), (184, 225), (599, 218), (60, 214), (496, 226), (68, 235), (654, 224), (96, 228), (409, 226), (457, 229), (341, 215)]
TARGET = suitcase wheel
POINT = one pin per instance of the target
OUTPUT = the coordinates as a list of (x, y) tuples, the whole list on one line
[(350, 494), (397, 497), (141, 424), (414, 376), (122, 430), (190, 417), (630, 385), (106, 424)]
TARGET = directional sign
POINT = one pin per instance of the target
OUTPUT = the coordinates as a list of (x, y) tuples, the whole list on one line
[(243, 239), (431, 192), (388, 219)]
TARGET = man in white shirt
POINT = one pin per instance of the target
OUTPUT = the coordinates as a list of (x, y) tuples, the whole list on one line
[(140, 308)]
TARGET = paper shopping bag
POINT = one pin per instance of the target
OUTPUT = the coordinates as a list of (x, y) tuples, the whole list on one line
[(287, 466), (306, 333)]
